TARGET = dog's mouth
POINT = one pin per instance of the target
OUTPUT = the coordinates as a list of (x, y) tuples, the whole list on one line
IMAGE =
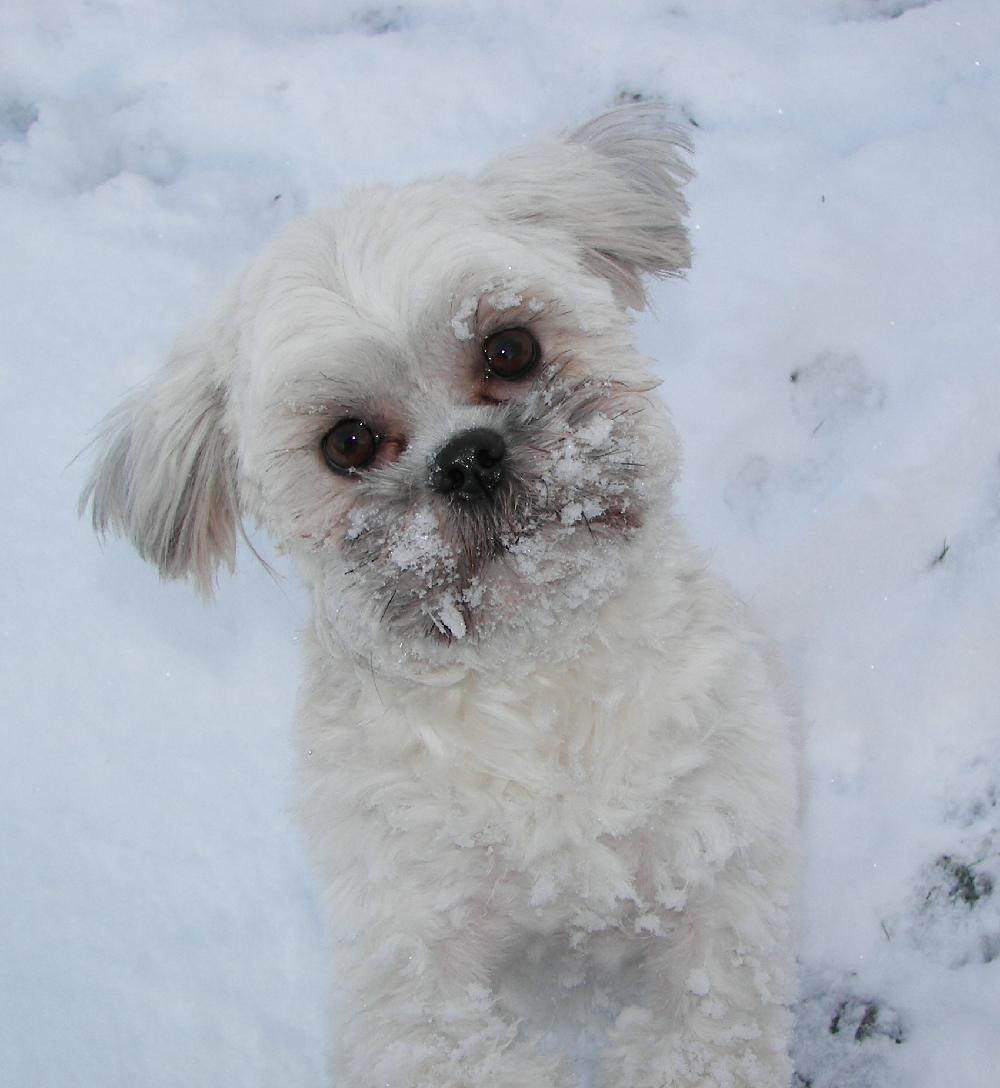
[(439, 567), (451, 581), (504, 564)]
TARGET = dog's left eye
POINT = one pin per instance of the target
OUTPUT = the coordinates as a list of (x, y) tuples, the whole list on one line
[(511, 354), (349, 445)]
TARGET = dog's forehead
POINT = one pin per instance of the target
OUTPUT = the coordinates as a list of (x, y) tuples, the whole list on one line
[(372, 291)]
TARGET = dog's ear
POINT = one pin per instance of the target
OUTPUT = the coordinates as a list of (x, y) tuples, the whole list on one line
[(614, 185), (165, 476)]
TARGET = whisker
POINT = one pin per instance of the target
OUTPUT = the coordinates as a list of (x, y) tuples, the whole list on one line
[(364, 563), (286, 451)]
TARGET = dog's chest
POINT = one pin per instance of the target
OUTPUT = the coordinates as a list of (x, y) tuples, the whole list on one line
[(549, 793)]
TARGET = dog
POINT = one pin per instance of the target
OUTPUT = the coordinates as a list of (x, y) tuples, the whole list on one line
[(548, 776)]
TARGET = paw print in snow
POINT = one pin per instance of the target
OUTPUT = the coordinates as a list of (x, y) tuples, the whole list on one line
[(844, 1037), (953, 913), (833, 389)]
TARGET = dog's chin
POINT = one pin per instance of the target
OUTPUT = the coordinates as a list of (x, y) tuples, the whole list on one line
[(450, 591)]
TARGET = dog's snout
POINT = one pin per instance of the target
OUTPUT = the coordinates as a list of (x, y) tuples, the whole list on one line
[(470, 465)]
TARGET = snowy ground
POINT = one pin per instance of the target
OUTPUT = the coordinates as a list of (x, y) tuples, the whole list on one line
[(832, 363)]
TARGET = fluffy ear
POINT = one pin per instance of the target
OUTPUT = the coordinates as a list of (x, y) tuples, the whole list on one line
[(165, 477), (614, 185)]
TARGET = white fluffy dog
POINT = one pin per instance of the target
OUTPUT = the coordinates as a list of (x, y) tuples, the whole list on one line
[(547, 779)]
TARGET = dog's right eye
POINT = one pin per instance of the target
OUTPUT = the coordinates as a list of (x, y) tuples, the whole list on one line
[(349, 445)]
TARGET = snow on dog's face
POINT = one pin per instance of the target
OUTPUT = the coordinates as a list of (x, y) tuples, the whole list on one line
[(430, 399), (444, 461)]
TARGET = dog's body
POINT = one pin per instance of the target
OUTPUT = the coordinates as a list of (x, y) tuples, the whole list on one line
[(545, 767)]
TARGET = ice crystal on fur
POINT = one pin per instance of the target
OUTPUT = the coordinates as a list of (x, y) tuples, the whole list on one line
[(460, 322)]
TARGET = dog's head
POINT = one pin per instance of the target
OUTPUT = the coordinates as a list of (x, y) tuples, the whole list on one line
[(429, 397)]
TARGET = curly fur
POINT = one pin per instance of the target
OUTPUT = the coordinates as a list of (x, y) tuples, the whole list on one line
[(546, 775)]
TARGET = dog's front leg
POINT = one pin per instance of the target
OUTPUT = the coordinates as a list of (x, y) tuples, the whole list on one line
[(417, 1007), (714, 1007)]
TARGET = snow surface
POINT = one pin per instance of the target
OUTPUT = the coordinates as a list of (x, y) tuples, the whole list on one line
[(832, 365)]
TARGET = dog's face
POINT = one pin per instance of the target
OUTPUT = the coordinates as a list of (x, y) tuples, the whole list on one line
[(430, 399)]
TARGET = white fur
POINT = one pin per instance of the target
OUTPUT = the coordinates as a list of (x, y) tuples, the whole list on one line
[(546, 775)]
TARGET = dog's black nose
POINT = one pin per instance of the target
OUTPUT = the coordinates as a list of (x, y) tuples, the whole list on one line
[(469, 466)]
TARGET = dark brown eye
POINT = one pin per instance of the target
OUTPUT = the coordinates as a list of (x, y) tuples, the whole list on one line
[(349, 445), (511, 354)]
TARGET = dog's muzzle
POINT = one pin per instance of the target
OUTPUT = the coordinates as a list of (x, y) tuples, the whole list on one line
[(470, 466)]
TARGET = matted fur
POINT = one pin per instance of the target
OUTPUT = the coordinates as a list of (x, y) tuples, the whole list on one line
[(546, 777)]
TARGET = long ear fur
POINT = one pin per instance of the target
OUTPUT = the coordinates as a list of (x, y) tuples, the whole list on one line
[(614, 185), (165, 477)]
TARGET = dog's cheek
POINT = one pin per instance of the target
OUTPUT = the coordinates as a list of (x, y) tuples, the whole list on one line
[(303, 507)]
